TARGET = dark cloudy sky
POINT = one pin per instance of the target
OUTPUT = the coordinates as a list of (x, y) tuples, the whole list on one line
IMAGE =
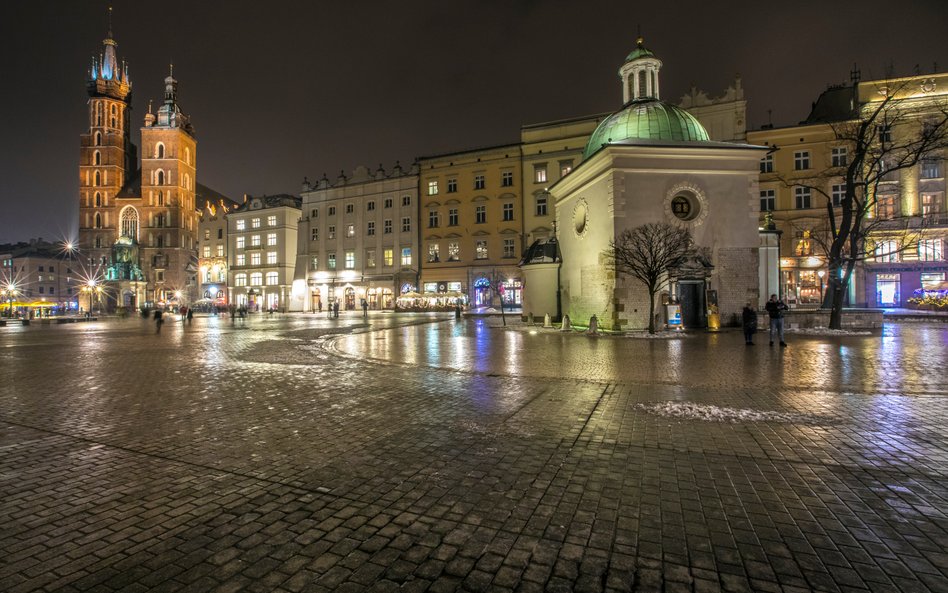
[(280, 89)]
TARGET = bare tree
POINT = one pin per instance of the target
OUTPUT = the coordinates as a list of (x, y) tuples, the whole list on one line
[(891, 135), (648, 253)]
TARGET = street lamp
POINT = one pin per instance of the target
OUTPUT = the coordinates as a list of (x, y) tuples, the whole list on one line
[(10, 293), (821, 273)]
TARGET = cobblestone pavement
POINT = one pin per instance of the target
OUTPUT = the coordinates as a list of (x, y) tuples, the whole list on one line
[(300, 453)]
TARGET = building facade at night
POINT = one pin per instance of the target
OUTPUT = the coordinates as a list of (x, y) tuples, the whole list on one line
[(138, 227), (44, 277), (261, 252), (358, 239), (804, 170), (654, 162), (212, 254), (472, 213)]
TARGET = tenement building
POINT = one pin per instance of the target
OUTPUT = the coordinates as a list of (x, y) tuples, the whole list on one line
[(472, 212), (358, 240), (902, 252), (261, 251)]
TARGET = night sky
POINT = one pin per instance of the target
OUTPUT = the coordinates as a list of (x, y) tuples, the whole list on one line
[(279, 90)]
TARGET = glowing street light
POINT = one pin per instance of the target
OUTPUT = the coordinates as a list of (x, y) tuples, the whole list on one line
[(9, 292), (95, 291), (821, 273)]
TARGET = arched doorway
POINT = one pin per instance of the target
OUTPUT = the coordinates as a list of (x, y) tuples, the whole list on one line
[(481, 292), (350, 299)]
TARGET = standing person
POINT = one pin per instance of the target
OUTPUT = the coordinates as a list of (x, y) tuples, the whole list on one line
[(775, 309), (158, 321), (365, 308), (749, 323), (335, 309), (190, 315)]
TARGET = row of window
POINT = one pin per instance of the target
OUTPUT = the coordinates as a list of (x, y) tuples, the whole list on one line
[(255, 240), (388, 259), (369, 206), (206, 251), (927, 250), (256, 259), (886, 204), (839, 157), (241, 223), (480, 250), (480, 182), (257, 278)]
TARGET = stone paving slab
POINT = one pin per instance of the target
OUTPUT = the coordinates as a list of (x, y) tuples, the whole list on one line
[(305, 454)]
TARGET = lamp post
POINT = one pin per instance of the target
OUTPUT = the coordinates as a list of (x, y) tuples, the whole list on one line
[(10, 294), (821, 273)]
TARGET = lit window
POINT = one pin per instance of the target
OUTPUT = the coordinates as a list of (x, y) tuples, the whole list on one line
[(434, 250), (256, 279), (930, 250), (370, 258), (255, 240), (273, 278), (255, 258), (220, 250), (887, 251), (433, 187), (885, 207), (241, 259), (271, 239), (315, 262), (313, 234), (388, 257), (565, 168), (931, 203), (255, 223), (331, 260), (271, 257), (240, 242), (454, 251), (406, 256), (350, 260), (240, 280), (206, 251), (480, 251), (241, 225), (509, 249), (271, 221), (539, 173), (331, 231), (350, 230)]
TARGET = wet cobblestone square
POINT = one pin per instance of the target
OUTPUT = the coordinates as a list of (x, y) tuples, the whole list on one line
[(299, 453)]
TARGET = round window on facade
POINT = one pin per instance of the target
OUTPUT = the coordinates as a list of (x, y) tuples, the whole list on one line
[(684, 207), (580, 217)]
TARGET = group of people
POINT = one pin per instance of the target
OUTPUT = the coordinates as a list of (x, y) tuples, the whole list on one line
[(775, 311)]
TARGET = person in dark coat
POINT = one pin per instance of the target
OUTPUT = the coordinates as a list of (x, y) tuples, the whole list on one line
[(775, 309), (749, 323)]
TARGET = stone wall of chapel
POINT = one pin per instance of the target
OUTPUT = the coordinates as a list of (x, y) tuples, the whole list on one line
[(735, 279)]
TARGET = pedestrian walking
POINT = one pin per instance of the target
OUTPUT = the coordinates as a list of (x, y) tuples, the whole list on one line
[(749, 323), (190, 315), (775, 309), (158, 321), (365, 308)]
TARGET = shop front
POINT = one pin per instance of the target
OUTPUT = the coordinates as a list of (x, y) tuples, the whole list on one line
[(803, 281), (892, 286)]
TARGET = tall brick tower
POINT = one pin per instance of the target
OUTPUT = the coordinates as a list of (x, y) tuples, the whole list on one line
[(106, 155), (169, 217)]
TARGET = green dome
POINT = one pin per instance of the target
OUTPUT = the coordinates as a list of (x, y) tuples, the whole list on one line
[(640, 51), (646, 120)]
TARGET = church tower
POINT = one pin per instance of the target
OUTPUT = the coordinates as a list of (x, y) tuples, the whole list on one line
[(169, 218), (107, 156)]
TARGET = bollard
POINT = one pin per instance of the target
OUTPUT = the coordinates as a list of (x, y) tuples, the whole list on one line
[(546, 321), (566, 325), (593, 326)]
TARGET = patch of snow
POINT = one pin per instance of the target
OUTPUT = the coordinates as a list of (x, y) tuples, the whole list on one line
[(662, 335), (711, 413), (825, 331)]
